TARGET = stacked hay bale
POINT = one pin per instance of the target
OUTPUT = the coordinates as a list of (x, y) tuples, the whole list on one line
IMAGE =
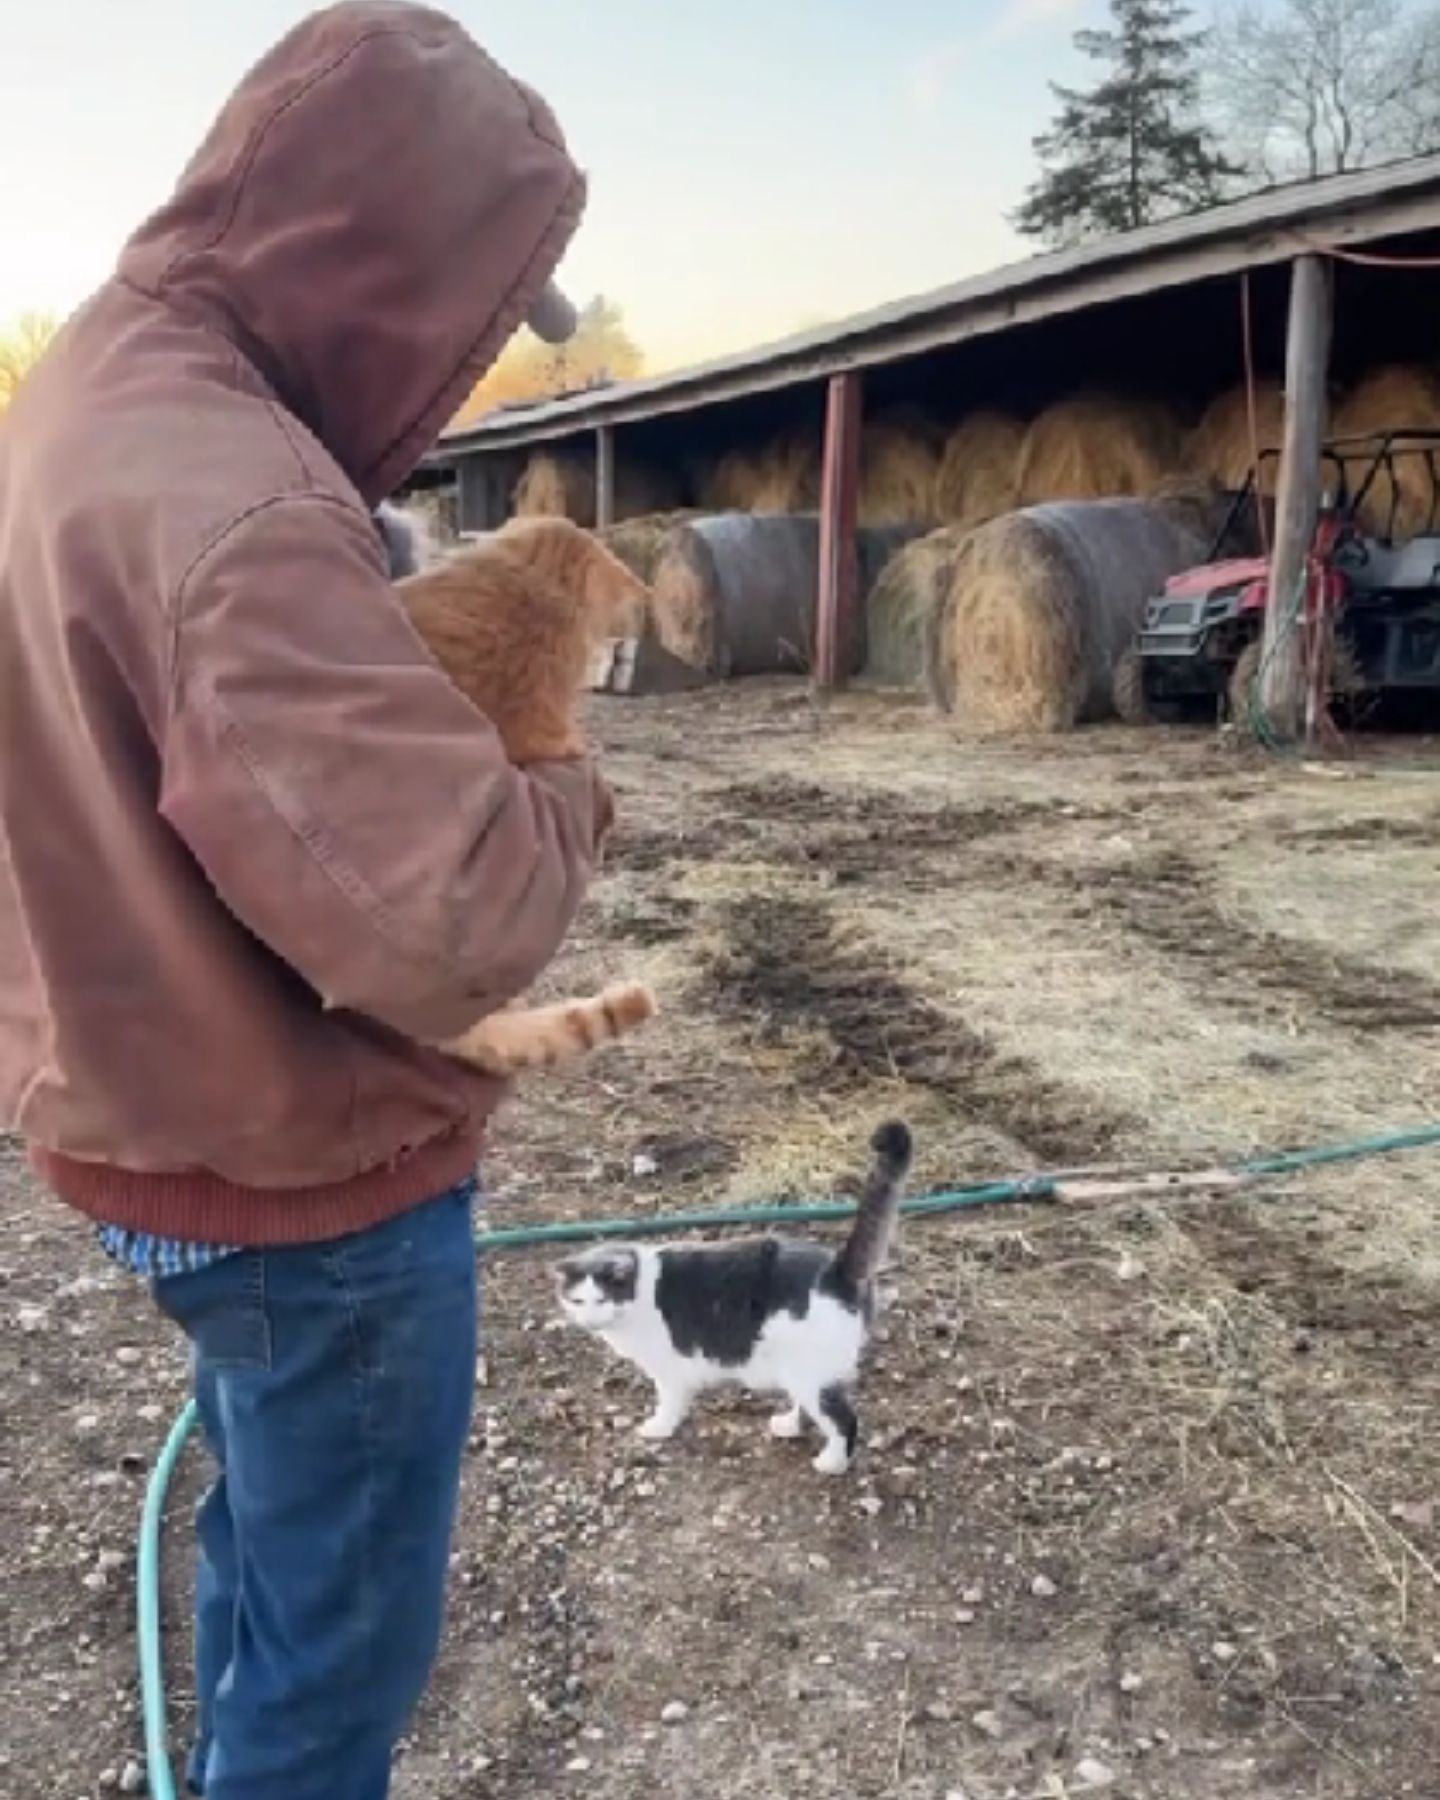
[(1037, 607), (1093, 446), (735, 594), (1097, 447), (784, 477), (1223, 444), (561, 484), (557, 485), (978, 469), (1401, 501), (899, 460)]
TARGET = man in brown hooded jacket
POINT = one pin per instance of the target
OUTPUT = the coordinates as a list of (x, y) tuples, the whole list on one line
[(253, 845)]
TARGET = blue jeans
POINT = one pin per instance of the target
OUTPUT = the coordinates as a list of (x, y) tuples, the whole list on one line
[(335, 1384)]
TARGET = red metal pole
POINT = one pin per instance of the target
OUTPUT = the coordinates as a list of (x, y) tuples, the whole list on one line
[(837, 619)]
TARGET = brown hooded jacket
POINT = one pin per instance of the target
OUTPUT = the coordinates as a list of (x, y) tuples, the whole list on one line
[(233, 785)]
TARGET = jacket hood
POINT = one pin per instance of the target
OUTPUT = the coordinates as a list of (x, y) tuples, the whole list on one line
[(374, 212)]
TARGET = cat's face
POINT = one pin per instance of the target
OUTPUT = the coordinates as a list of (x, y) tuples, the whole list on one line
[(578, 562), (598, 1288)]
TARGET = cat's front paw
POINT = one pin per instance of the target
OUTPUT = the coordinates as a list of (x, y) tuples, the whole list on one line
[(628, 1005), (787, 1425), (834, 1459)]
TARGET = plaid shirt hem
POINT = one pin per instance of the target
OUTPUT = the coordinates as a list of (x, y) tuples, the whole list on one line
[(156, 1258)]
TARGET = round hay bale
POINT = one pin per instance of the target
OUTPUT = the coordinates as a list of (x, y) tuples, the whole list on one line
[(637, 541), (781, 478), (979, 469), (560, 486), (1039, 607), (1221, 445), (1097, 447), (1393, 399), (1201, 506), (735, 594), (901, 605), (898, 464)]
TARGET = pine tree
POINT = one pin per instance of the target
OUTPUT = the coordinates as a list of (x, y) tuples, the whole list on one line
[(1129, 150)]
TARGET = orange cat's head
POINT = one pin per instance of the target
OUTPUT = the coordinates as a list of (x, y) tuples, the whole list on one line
[(514, 619), (571, 558)]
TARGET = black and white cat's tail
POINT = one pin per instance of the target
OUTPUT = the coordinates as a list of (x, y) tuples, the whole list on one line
[(865, 1251)]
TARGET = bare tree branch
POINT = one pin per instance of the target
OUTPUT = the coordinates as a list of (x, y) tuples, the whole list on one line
[(1313, 87)]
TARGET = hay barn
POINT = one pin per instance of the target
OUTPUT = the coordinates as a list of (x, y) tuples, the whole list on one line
[(1111, 371)]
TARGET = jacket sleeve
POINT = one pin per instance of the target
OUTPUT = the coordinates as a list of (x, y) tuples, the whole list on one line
[(348, 804)]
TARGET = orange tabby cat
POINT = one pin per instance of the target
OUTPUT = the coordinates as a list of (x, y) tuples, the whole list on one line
[(514, 619)]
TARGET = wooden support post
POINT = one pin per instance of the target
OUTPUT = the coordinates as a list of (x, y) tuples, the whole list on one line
[(1307, 361), (837, 621), (484, 493), (604, 476)]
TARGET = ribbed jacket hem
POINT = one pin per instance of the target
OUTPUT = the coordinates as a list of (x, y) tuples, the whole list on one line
[(203, 1208)]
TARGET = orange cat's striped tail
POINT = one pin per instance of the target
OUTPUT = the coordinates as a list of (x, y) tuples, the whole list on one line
[(544, 1037)]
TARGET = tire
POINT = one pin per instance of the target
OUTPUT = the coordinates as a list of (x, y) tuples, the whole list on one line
[(1346, 680), (1127, 690), (1240, 691)]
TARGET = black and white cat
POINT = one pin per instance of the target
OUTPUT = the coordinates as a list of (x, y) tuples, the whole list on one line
[(773, 1315)]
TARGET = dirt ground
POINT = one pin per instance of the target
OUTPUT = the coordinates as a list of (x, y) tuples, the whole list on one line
[(1148, 1504)]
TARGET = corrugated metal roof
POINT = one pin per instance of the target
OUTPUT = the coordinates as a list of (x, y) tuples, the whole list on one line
[(1265, 227)]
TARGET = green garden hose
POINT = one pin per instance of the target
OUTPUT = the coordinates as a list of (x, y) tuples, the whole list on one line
[(1024, 1188), (147, 1589)]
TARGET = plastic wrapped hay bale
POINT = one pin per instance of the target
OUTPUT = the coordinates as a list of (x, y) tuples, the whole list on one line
[(1040, 605), (637, 541), (735, 594)]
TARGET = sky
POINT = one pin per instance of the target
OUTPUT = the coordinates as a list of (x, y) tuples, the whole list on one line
[(755, 166)]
